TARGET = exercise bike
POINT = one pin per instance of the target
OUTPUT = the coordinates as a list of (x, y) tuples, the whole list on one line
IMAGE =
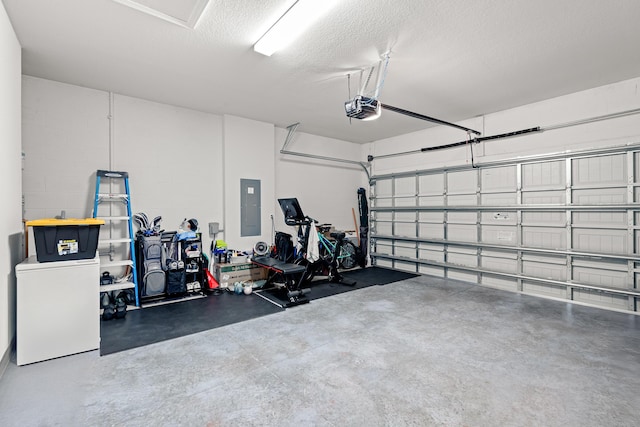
[(331, 255)]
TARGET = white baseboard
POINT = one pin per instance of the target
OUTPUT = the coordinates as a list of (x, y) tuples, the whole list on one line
[(6, 357)]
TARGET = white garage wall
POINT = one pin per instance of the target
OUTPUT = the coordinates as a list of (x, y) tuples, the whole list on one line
[(65, 139), (578, 106), (248, 154), (326, 190), (182, 163), (173, 155), (174, 159), (10, 216)]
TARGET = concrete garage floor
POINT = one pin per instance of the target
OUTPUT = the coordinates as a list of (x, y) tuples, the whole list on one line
[(424, 351)]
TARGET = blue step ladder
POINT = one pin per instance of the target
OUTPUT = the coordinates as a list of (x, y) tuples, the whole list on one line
[(128, 261)]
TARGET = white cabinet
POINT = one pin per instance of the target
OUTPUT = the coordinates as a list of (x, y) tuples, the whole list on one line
[(57, 308)]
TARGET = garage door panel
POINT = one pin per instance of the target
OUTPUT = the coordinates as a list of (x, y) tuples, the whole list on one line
[(431, 270), (383, 188), (405, 251), (405, 266), (610, 275), (544, 237), (504, 265), (605, 169), (544, 175), (554, 197), (498, 179), (405, 216), (500, 282), (462, 275), (504, 235), (548, 218), (383, 216), (497, 253), (405, 201), (384, 228), (431, 254), (383, 203), (462, 200), (403, 229), (462, 218), (551, 268), (468, 260), (462, 182), (600, 196), (431, 185), (498, 199), (543, 289), (384, 247), (462, 233), (405, 186), (431, 216), (600, 240), (383, 262), (600, 219), (431, 200), (600, 299), (430, 231)]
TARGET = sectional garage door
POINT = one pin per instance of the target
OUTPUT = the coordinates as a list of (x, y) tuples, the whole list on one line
[(558, 226)]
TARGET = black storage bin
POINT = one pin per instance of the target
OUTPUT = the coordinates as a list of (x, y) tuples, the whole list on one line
[(65, 239)]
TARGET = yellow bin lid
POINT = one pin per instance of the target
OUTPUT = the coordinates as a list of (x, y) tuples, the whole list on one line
[(53, 222)]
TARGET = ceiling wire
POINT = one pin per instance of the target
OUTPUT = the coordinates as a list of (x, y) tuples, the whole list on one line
[(349, 89)]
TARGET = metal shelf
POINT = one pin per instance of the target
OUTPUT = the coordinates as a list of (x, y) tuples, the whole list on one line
[(117, 286)]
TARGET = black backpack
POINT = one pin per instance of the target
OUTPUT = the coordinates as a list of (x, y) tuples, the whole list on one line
[(176, 277), (284, 247)]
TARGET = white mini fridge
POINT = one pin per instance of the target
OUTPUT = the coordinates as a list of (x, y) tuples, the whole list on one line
[(57, 308)]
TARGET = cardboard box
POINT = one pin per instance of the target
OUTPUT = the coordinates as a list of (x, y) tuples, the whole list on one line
[(228, 274)]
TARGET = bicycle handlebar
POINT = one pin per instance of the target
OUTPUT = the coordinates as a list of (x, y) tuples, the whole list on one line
[(307, 221)]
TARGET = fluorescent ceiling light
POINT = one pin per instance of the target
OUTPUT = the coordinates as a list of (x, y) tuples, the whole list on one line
[(290, 25)]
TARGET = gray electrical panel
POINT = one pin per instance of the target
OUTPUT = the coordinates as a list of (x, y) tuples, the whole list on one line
[(250, 207)]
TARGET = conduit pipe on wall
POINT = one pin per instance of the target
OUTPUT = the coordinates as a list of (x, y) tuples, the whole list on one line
[(292, 129), (512, 134)]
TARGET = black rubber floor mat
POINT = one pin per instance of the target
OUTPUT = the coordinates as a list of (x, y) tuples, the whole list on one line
[(318, 289), (364, 277), (378, 275), (165, 322)]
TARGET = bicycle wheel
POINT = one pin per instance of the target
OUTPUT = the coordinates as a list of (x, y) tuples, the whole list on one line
[(347, 258)]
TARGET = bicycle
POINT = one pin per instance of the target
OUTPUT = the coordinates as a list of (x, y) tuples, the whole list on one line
[(333, 254)]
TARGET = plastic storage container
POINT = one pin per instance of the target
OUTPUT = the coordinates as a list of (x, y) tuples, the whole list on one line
[(65, 239)]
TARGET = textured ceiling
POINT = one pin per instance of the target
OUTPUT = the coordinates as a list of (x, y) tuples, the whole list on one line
[(450, 59)]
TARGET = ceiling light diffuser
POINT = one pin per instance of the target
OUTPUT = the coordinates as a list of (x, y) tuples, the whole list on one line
[(298, 18)]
